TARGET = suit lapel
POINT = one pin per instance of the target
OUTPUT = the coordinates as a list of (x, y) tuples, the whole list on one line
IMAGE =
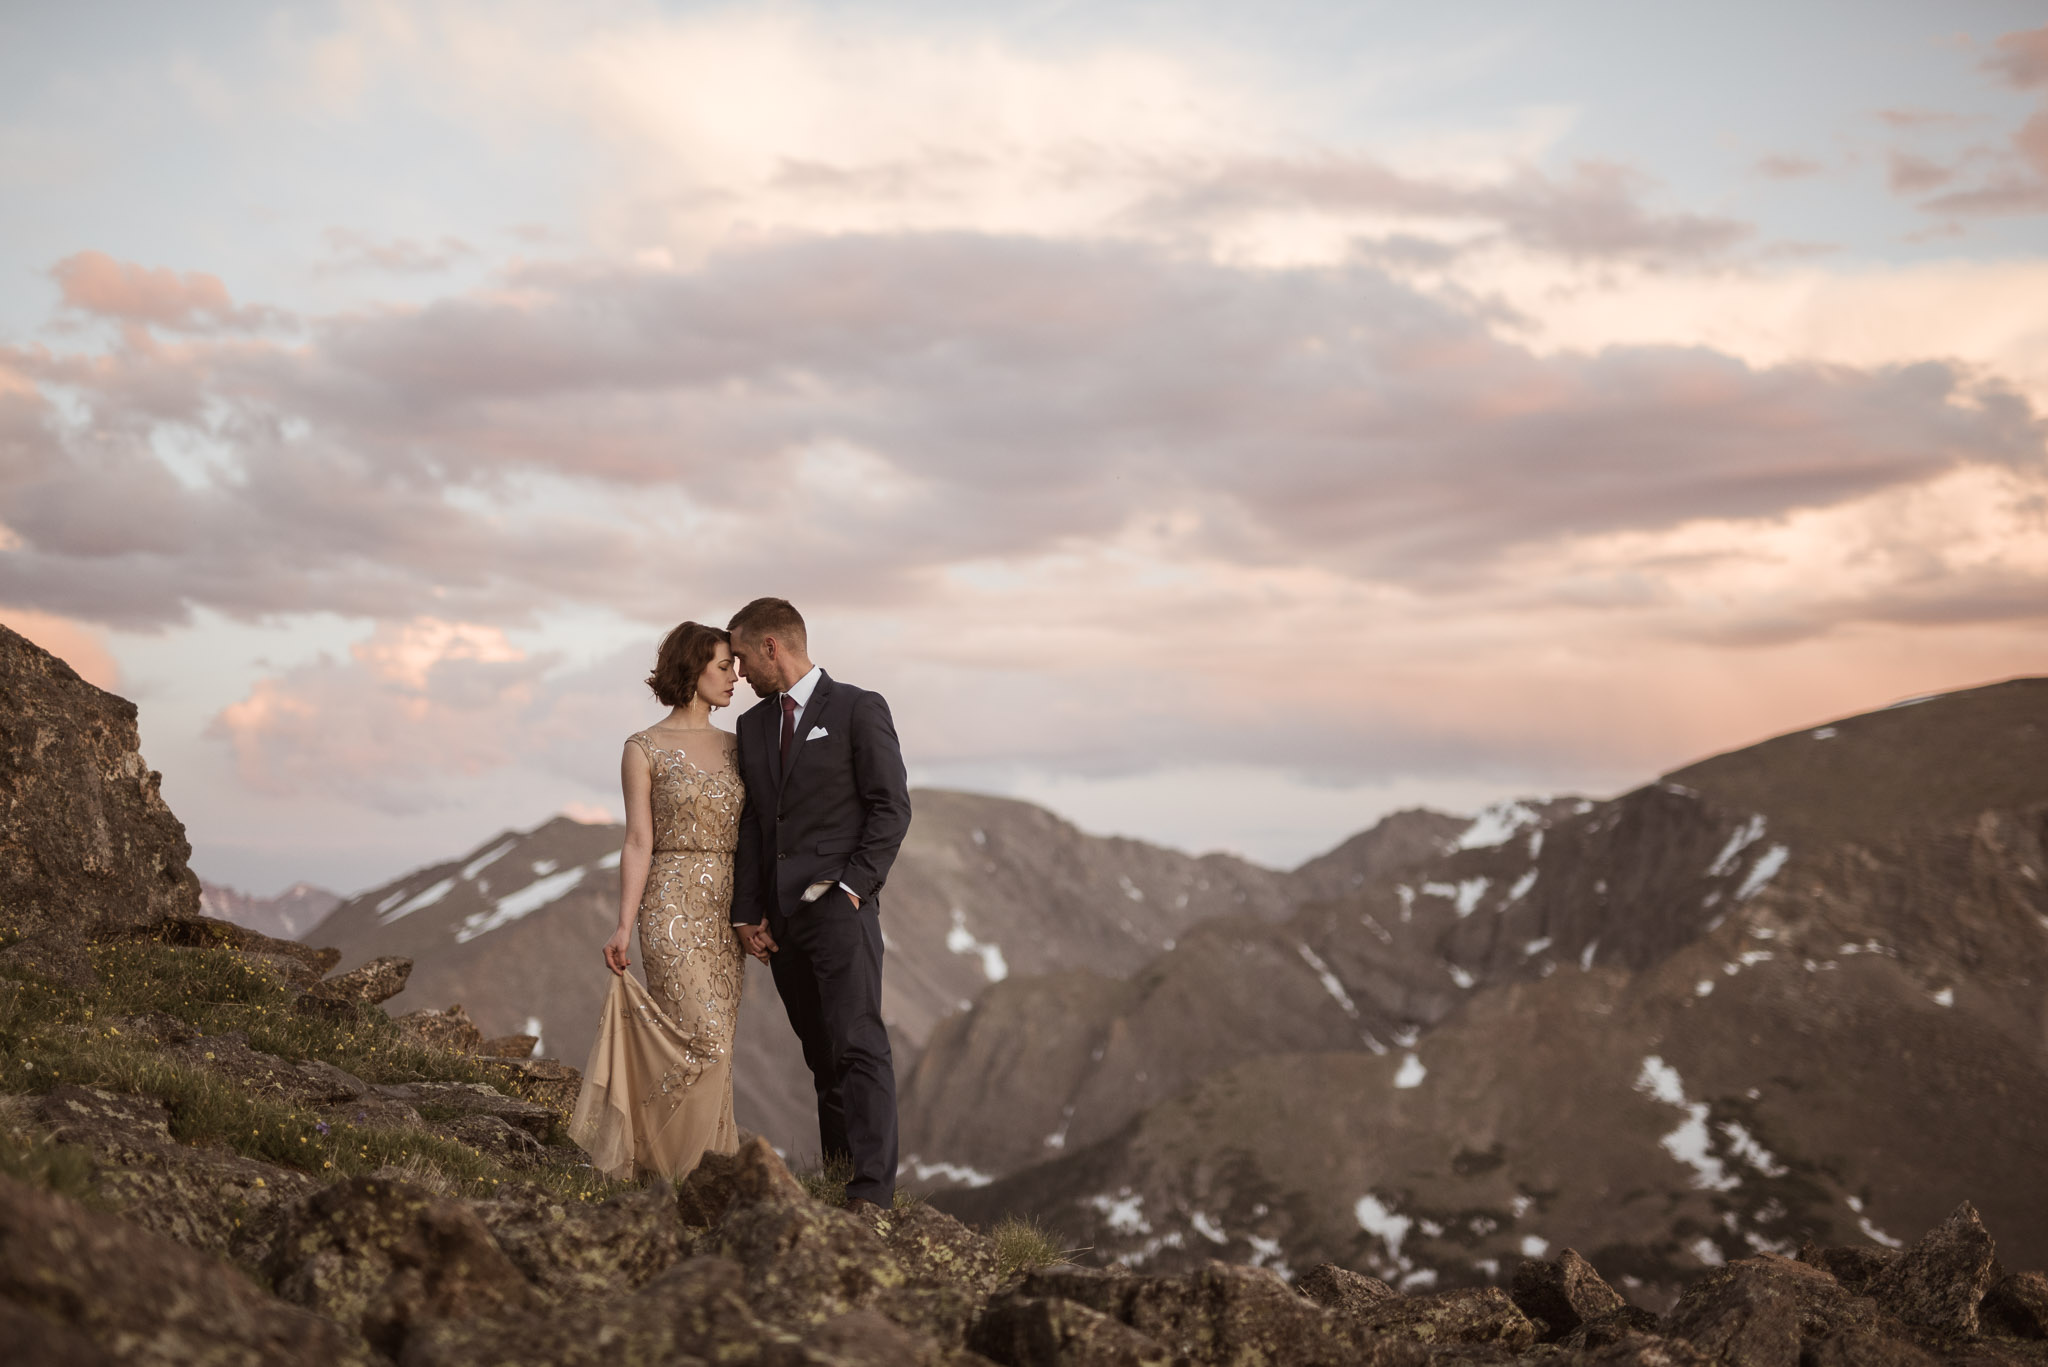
[(765, 734), (813, 713)]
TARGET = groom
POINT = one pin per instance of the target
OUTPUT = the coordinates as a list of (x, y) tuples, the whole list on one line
[(827, 808)]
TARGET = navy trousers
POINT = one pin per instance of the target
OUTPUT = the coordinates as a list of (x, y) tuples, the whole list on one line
[(828, 972)]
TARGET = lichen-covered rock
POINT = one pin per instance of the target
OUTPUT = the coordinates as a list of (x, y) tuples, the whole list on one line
[(862, 1338), (936, 1250), (703, 1195), (570, 1248), (1563, 1294), (1939, 1281), (1852, 1266), (2016, 1307), (1611, 1328), (695, 1312), (759, 1175), (376, 981), (1102, 1289), (297, 963), (551, 1083), (472, 1098), (1042, 1331), (308, 1082), (1235, 1316), (502, 1142), (134, 1296), (205, 1198), (1648, 1350), (1480, 1314), (805, 1262), (451, 1031), (1864, 1348), (382, 1256), (1758, 1312), (87, 845), (509, 1046), (1341, 1289)]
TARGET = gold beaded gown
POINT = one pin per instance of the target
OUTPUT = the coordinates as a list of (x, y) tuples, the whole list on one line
[(657, 1091)]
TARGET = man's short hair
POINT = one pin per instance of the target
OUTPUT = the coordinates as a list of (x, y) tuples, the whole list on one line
[(770, 617)]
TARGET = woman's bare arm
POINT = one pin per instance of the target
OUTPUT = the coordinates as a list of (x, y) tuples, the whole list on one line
[(636, 856)]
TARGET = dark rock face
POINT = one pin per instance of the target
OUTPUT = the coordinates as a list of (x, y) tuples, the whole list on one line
[(1339, 1288), (81, 1287), (2016, 1307), (1758, 1312), (381, 1256), (1475, 1315), (703, 1196), (1853, 1267), (1939, 1281), (1031, 1331), (87, 845), (1562, 1295), (569, 1249)]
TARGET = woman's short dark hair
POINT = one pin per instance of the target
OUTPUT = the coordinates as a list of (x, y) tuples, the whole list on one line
[(685, 654)]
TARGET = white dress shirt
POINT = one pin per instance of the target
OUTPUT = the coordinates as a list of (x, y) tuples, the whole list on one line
[(801, 690)]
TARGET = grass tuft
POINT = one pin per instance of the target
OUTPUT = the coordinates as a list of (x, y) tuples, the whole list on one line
[(1023, 1245), (827, 1182)]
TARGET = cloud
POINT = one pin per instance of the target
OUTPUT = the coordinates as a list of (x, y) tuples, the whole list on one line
[(95, 283), (1786, 166), (2016, 178), (399, 255), (2021, 58)]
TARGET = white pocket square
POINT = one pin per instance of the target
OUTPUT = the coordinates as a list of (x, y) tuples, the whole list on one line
[(817, 731)]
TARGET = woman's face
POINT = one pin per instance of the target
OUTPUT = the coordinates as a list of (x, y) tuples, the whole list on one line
[(714, 685)]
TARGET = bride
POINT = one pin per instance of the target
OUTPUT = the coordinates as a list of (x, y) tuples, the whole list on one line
[(657, 1092)]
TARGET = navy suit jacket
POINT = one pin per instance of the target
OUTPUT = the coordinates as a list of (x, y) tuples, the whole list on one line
[(838, 810)]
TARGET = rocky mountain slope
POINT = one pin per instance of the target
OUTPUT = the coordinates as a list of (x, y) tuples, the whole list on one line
[(1793, 992), (215, 1151), (984, 888), (288, 915)]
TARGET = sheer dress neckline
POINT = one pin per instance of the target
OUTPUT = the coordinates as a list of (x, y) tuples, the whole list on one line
[(729, 753)]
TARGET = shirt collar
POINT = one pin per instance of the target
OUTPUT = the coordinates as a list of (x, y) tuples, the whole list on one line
[(802, 689)]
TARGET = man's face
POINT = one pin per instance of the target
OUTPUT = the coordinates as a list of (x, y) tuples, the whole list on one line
[(758, 664)]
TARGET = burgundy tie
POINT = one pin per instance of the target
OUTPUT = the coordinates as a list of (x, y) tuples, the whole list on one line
[(788, 725)]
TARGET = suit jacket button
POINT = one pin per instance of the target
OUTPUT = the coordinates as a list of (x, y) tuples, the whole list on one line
[(783, 855)]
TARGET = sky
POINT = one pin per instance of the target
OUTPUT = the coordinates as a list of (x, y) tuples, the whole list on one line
[(1223, 424)]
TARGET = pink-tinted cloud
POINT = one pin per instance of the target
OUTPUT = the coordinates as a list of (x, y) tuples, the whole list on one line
[(2021, 58), (1784, 166), (2015, 179), (95, 283)]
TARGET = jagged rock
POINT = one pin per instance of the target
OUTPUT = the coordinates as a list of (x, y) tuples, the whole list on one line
[(381, 1256), (759, 1175), (1482, 1314), (696, 1311), (378, 980), (507, 1144), (451, 1030), (298, 963), (204, 1198), (1611, 1328), (1341, 1289), (1939, 1281), (1863, 1348), (936, 1250), (1759, 1311), (703, 1195), (1229, 1315), (804, 1262), (1560, 1296), (862, 1338), (570, 1248), (509, 1046), (472, 1098), (1853, 1267), (1043, 1331), (2016, 1307), (544, 1080), (309, 1082), (1102, 1289), (1648, 1350), (87, 845), (137, 1297)]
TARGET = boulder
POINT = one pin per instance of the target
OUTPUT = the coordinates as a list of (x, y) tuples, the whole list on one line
[(1759, 1312), (1560, 1295), (87, 845), (862, 1338), (804, 1262), (544, 1080), (572, 1248), (1231, 1315), (308, 1082), (509, 1046), (1042, 1331), (1865, 1348), (1479, 1314), (1341, 1289), (381, 1256), (2016, 1307), (1649, 1350), (695, 1312), (451, 1031), (758, 1174), (299, 964), (378, 980), (79, 1286), (1852, 1266), (502, 1142), (703, 1195), (1611, 1328), (936, 1250), (205, 1198), (1938, 1282)]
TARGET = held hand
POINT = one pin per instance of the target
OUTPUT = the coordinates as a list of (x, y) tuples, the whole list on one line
[(853, 896), (756, 940), (615, 950)]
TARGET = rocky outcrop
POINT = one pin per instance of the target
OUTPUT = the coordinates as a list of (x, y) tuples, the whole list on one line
[(87, 844), (1561, 1296), (376, 981)]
